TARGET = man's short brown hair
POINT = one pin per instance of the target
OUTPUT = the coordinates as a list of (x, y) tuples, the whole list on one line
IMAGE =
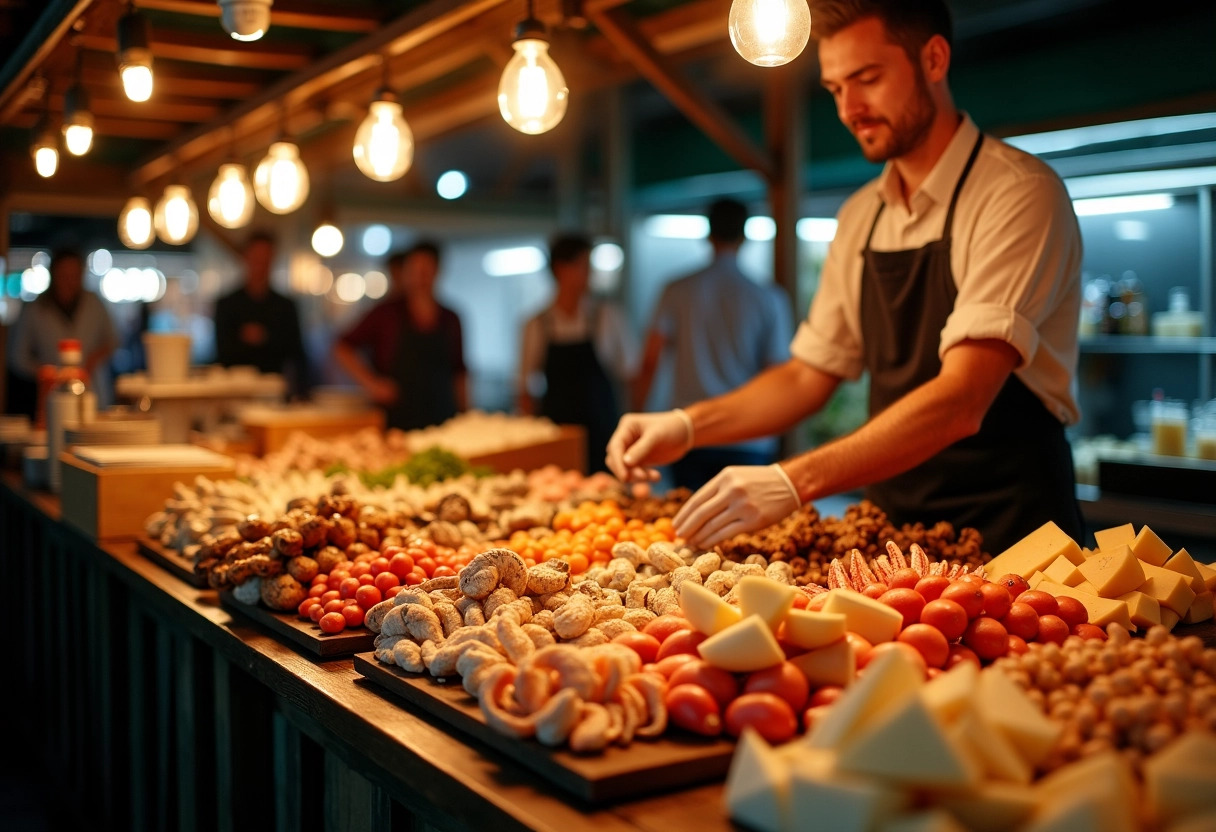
[(909, 23)]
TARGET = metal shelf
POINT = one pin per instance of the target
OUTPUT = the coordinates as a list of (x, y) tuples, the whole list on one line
[(1148, 345)]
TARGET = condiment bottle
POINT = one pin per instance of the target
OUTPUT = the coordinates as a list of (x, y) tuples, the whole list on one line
[(71, 402)]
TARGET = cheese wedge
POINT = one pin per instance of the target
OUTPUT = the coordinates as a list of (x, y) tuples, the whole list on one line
[(1143, 609), (994, 753), (930, 821), (812, 630), (1035, 552), (766, 598), (1209, 575), (1201, 609), (888, 680), (1180, 780), (1102, 611), (1169, 618), (1184, 564), (758, 785), (1103, 783), (835, 664), (1037, 578), (1078, 813), (832, 802), (742, 648), (1117, 536), (906, 745), (1063, 571), (1168, 587), (1114, 572), (868, 618), (705, 610), (1003, 705), (1150, 548), (991, 806), (951, 693)]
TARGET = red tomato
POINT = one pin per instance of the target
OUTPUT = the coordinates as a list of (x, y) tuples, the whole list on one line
[(335, 605), (875, 590), (1052, 628), (908, 650), (401, 565), (861, 645), (967, 595), (817, 601), (332, 622), (385, 580), (721, 684), (1044, 603), (1018, 646), (681, 641), (378, 565), (826, 695), (959, 653), (997, 600), (360, 568), (1089, 631), (670, 664), (348, 587), (392, 592), (330, 595), (907, 602), (904, 579), (1022, 621), (319, 578), (767, 713), (946, 615), (338, 576), (314, 615), (646, 646), (665, 625), (930, 588), (306, 606), (1072, 611), (970, 578), (801, 600), (415, 577), (366, 579), (1016, 584), (368, 596), (444, 571), (353, 615), (928, 641), (317, 590), (987, 638), (427, 565), (692, 708), (784, 680)]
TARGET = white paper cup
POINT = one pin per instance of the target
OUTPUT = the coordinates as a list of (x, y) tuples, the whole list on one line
[(168, 355)]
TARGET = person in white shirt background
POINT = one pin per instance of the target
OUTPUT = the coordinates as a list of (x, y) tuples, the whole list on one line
[(954, 280)]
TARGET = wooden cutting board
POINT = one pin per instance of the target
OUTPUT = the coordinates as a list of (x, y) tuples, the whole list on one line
[(300, 633), (171, 561), (644, 767)]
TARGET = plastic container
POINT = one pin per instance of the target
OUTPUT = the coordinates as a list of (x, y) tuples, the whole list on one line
[(168, 356), (1203, 428), (1169, 423), (1179, 321)]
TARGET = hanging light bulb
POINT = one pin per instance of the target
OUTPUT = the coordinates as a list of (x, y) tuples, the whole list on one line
[(176, 216), (281, 180), (245, 20), (230, 200), (769, 32), (135, 223), (135, 55), (77, 120), (384, 143), (532, 92), (45, 149), (327, 239)]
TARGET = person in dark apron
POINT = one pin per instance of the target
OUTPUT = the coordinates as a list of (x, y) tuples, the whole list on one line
[(578, 391), (423, 372)]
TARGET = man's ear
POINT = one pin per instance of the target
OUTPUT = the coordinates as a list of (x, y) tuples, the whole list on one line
[(935, 59)]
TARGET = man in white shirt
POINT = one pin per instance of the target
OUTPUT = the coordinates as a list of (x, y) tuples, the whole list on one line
[(953, 279)]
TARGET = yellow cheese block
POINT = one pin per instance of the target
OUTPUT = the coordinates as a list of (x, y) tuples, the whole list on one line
[(1098, 792), (1169, 618), (1143, 609), (930, 821), (1063, 571), (951, 693), (906, 745), (1150, 548), (1184, 564), (1114, 572), (1200, 609), (1086, 586), (835, 664), (744, 647), (1180, 780), (832, 801), (705, 610), (1102, 611), (1034, 552), (995, 754), (758, 785), (991, 806), (1168, 587), (1037, 578), (1209, 575), (1078, 813), (1117, 536), (868, 618), (1005, 706), (888, 680), (766, 598), (812, 630)]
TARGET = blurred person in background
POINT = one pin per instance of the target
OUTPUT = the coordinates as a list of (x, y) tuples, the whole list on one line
[(720, 330), (256, 326), (407, 353), (64, 310), (575, 353)]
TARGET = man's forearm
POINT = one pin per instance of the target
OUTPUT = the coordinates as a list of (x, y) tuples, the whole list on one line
[(350, 361)]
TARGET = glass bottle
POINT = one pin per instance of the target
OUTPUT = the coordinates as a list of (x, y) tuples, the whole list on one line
[(71, 402)]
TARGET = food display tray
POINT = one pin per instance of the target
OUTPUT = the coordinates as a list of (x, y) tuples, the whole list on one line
[(302, 634), (644, 767), (171, 561)]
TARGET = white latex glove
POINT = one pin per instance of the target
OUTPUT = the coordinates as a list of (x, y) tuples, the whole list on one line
[(644, 440), (743, 498)]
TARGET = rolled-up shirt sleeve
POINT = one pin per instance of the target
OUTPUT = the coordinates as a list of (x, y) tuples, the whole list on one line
[(1020, 262), (830, 339)]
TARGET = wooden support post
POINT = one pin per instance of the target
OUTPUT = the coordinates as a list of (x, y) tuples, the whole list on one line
[(351, 802), (288, 775), (141, 817)]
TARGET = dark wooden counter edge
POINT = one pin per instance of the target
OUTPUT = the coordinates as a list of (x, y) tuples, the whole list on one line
[(399, 750)]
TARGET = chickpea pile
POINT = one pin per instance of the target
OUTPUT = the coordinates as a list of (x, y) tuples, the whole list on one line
[(1133, 695)]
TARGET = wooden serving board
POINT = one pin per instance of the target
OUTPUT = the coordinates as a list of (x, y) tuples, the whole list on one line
[(645, 767), (302, 634), (173, 562)]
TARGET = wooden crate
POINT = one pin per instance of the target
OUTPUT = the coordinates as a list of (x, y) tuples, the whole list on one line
[(113, 503), (269, 430), (567, 451)]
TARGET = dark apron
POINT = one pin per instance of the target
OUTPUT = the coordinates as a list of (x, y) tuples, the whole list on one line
[(1008, 479), (578, 392), (423, 371)]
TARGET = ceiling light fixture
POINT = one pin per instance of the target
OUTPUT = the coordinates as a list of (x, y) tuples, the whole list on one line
[(77, 120), (280, 181), (327, 239), (230, 198), (135, 54), (532, 92), (176, 216), (135, 223), (384, 143), (45, 148), (769, 32), (245, 20)]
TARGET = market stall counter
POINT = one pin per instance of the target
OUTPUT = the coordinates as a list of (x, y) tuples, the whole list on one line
[(156, 709)]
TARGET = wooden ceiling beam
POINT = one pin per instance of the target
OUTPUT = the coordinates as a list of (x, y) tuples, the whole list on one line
[(620, 29), (175, 84), (163, 108), (56, 20), (329, 16), (211, 49), (126, 128)]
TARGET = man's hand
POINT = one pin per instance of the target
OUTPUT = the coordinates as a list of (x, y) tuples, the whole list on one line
[(743, 498), (643, 440), (383, 390)]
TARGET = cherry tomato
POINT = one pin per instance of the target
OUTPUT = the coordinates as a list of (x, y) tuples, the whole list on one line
[(665, 625), (947, 616), (332, 622), (444, 571), (415, 577), (401, 565), (427, 565), (1072, 611), (825, 695), (1018, 646), (959, 653), (1089, 631), (368, 596), (997, 600), (769, 714), (784, 680), (337, 577), (317, 590), (366, 579), (306, 606), (908, 650), (875, 590), (385, 580), (970, 578), (681, 641), (1044, 603), (907, 602), (335, 605), (930, 588), (692, 708), (348, 587), (360, 568), (967, 595), (319, 578), (1016, 584), (379, 565), (861, 645), (1021, 621), (314, 615), (392, 592), (987, 637), (1052, 628), (928, 641), (801, 600), (353, 615), (721, 684), (817, 601), (904, 579), (646, 646), (671, 664)]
